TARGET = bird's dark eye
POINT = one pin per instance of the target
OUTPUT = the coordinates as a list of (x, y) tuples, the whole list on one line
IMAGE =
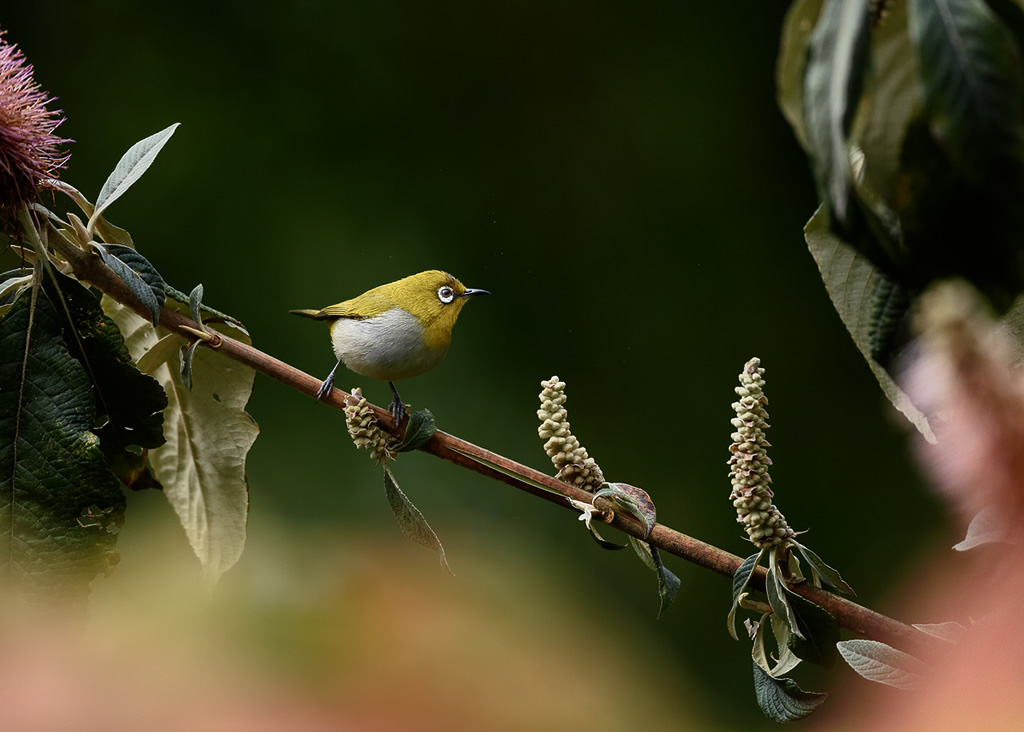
[(446, 294)]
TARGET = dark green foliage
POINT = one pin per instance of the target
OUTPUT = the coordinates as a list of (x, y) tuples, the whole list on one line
[(782, 700), (60, 506), (140, 276)]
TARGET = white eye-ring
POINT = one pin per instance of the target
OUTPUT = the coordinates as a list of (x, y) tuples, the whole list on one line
[(446, 294)]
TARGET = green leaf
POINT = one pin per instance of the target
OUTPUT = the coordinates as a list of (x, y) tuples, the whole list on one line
[(776, 590), (829, 576), (668, 583), (187, 353), (209, 433), (972, 81), (60, 507), (107, 231), (949, 631), (140, 276), (740, 580), (129, 169), (630, 500), (883, 664), (129, 404), (414, 525), (782, 700), (819, 631), (833, 81), (852, 281), (989, 526), (420, 429), (195, 301), (789, 71), (784, 638)]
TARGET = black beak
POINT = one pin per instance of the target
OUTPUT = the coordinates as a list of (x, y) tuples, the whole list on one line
[(473, 292)]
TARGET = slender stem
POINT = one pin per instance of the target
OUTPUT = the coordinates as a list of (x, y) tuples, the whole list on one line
[(863, 621)]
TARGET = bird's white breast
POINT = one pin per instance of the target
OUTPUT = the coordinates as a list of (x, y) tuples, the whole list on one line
[(388, 347)]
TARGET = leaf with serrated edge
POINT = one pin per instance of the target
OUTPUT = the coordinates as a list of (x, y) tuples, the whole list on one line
[(129, 169), (989, 526), (882, 663), (950, 631), (414, 525), (782, 700), (850, 280), (827, 574), (138, 273), (740, 580), (202, 466)]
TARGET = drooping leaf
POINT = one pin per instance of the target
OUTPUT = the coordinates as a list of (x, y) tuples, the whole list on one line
[(819, 629), (883, 664), (420, 429), (776, 590), (414, 525), (829, 576), (789, 71), (740, 580), (787, 659), (852, 280), (782, 700), (60, 507), (185, 370), (140, 276), (129, 169), (833, 80), (209, 433), (668, 583), (129, 404), (989, 526)]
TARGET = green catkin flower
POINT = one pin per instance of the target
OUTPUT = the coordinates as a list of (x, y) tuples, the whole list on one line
[(751, 485), (570, 458), (365, 430)]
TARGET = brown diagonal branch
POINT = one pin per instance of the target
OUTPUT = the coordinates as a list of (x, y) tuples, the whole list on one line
[(861, 620)]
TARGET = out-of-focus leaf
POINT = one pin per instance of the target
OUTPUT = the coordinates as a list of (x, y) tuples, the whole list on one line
[(740, 580), (852, 280), (414, 525), (883, 664), (950, 631), (789, 71), (833, 80), (140, 276), (209, 433), (989, 526), (60, 507), (420, 429), (829, 576), (782, 700), (819, 629), (972, 81), (129, 169)]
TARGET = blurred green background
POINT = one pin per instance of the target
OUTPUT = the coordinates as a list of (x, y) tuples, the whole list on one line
[(619, 176)]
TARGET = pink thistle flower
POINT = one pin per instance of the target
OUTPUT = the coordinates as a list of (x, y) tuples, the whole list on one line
[(29, 150)]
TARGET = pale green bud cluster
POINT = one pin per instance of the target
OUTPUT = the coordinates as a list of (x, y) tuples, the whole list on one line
[(570, 458), (751, 485), (365, 430)]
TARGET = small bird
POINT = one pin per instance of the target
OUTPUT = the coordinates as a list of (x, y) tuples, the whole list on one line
[(395, 331)]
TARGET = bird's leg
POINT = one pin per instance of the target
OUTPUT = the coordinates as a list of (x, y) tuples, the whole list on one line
[(325, 388), (397, 408)]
